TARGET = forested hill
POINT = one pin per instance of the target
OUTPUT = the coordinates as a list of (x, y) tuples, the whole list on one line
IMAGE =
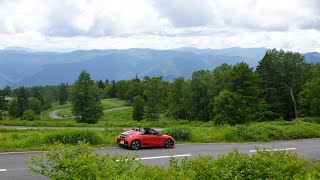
[(28, 68)]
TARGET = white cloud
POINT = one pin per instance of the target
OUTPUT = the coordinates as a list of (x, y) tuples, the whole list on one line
[(161, 24)]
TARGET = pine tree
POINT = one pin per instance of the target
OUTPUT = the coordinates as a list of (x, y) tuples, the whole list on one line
[(86, 105), (63, 94), (138, 108)]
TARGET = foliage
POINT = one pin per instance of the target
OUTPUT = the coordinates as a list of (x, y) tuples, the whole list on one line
[(72, 137), (63, 93), (20, 104), (138, 108), (200, 105), (35, 105), (282, 76), (3, 104), (309, 98), (182, 133), (229, 109), (29, 115), (85, 100), (177, 99), (80, 162), (155, 93)]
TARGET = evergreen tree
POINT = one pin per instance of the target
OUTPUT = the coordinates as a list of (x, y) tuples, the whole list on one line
[(63, 94), (2, 104), (138, 108), (282, 76), (35, 105), (86, 105), (20, 104)]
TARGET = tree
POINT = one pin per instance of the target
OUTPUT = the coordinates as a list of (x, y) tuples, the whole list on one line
[(176, 99), (63, 94), (282, 76), (309, 97), (155, 92), (100, 84), (20, 104), (29, 115), (34, 104), (200, 100), (228, 109), (48, 98), (7, 91), (138, 108), (2, 104), (86, 105), (245, 83)]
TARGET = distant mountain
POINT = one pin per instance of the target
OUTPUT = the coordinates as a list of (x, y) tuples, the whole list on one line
[(21, 67), (312, 57)]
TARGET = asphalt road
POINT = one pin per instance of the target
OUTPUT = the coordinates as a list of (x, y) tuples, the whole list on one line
[(14, 166)]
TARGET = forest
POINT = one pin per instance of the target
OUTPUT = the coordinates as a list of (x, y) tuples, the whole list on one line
[(282, 87)]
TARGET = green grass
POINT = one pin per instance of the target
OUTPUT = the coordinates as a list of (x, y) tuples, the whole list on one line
[(35, 139), (106, 104), (113, 103), (20, 140)]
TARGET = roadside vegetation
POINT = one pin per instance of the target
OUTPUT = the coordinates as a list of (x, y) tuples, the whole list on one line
[(35, 139), (80, 162)]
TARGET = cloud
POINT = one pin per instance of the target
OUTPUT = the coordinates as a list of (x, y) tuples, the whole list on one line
[(185, 13), (161, 24)]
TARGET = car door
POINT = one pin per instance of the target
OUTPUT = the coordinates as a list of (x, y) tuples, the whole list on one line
[(156, 138)]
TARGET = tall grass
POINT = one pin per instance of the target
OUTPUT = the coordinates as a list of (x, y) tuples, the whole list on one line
[(34, 139)]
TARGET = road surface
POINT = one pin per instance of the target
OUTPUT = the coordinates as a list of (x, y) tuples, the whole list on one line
[(54, 114), (14, 166)]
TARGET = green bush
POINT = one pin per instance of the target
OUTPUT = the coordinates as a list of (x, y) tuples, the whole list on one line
[(29, 115), (72, 137), (80, 162), (182, 133)]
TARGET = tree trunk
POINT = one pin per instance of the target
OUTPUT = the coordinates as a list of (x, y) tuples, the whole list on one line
[(294, 103)]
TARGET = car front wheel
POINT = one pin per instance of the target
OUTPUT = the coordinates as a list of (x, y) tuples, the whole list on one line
[(135, 145), (168, 143)]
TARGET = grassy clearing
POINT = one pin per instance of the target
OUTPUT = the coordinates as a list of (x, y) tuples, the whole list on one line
[(35, 139), (80, 162), (106, 104)]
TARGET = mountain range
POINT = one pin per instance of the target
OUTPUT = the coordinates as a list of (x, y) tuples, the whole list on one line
[(25, 67)]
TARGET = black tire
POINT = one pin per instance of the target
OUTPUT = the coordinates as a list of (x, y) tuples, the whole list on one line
[(168, 143), (135, 145)]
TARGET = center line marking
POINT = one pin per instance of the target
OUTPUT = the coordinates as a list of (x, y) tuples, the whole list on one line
[(3, 170), (159, 157), (268, 150)]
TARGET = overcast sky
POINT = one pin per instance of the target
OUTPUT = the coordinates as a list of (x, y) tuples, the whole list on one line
[(160, 24)]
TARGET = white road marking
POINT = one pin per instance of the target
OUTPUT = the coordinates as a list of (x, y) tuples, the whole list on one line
[(3, 170), (159, 157), (285, 149)]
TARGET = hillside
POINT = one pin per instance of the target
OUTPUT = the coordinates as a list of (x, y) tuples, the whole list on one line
[(28, 68)]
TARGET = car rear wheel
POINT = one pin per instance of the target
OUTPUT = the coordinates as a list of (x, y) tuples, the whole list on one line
[(135, 145), (168, 143)]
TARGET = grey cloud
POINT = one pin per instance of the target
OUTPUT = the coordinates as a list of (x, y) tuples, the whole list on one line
[(185, 13)]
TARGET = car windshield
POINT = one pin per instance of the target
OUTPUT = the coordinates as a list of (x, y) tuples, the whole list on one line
[(149, 131)]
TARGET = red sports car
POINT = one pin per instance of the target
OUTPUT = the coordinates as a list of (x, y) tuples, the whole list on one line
[(144, 137)]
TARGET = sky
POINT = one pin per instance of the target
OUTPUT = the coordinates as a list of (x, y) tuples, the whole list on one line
[(160, 24)]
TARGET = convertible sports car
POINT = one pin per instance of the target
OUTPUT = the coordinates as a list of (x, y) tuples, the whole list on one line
[(144, 137)]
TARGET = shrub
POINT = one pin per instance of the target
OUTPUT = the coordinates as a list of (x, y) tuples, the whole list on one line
[(72, 137), (179, 133), (80, 162), (29, 115)]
